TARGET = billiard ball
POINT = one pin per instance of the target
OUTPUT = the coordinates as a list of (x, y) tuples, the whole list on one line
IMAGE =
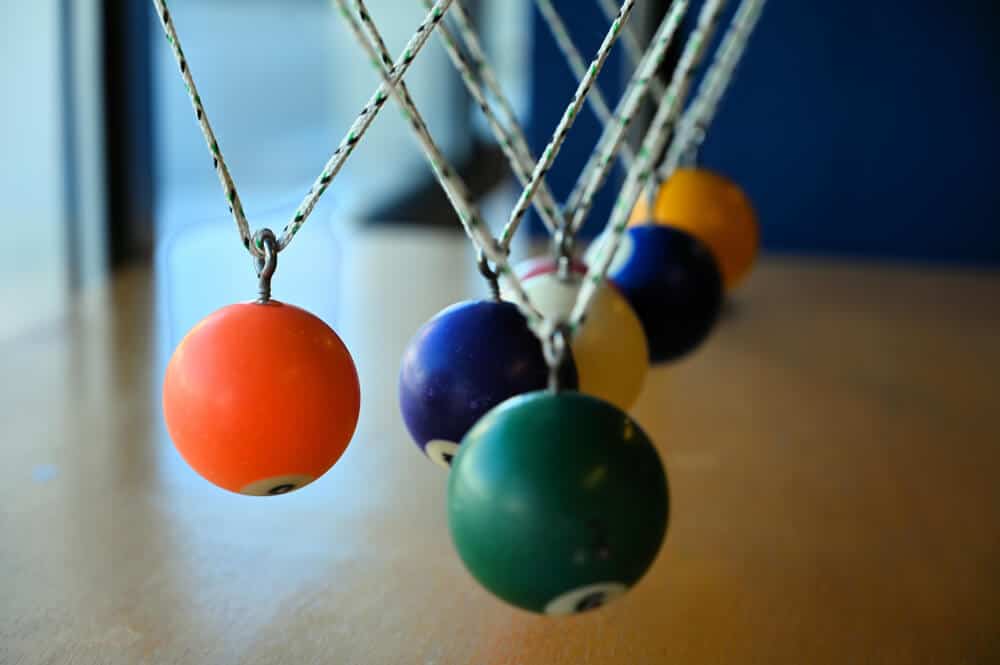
[(713, 209), (557, 502), (672, 282), (609, 348), (261, 398), (462, 363)]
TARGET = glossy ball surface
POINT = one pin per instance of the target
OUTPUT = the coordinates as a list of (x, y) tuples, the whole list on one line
[(261, 399), (673, 284), (713, 209), (609, 349), (557, 502), (460, 364)]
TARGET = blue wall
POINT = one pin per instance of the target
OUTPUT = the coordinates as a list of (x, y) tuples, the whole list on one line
[(868, 128)]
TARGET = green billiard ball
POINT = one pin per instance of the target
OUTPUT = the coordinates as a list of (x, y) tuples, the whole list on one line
[(557, 502)]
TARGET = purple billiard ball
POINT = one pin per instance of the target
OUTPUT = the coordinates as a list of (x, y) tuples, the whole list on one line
[(463, 362)]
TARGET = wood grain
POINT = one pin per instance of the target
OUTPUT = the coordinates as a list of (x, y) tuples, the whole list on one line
[(833, 454)]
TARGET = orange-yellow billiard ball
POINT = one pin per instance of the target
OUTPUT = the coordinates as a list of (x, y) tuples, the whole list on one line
[(713, 209)]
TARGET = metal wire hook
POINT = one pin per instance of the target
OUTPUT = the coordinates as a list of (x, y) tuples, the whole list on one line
[(555, 349), (492, 276), (562, 246), (266, 264)]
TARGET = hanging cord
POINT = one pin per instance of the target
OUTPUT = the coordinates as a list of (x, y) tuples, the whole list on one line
[(521, 163), (482, 66), (218, 162), (566, 121), (633, 49), (601, 160), (653, 142), (339, 156), (563, 236), (450, 181), (364, 121), (577, 65), (680, 83), (698, 117)]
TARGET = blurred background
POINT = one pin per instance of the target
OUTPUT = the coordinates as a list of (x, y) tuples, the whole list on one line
[(859, 129)]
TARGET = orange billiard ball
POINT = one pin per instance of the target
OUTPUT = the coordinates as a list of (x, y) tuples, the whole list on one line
[(261, 398), (713, 209)]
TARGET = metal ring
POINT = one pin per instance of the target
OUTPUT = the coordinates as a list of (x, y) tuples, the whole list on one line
[(266, 264), (555, 349), (492, 276), (563, 243)]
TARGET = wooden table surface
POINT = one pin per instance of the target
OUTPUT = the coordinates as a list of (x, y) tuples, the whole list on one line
[(833, 453)]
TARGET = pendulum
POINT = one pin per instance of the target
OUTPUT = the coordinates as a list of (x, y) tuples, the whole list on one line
[(671, 280), (261, 398), (557, 502), (713, 209), (460, 364)]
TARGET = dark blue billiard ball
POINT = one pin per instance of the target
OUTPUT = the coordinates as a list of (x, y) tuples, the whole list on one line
[(462, 363), (674, 285)]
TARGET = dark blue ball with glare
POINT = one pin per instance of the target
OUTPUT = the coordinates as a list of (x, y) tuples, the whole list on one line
[(674, 285), (462, 363)]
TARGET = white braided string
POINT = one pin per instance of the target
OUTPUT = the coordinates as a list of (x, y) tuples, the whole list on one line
[(521, 163), (633, 49), (363, 121), (340, 155), (602, 158), (565, 43), (481, 64), (566, 121), (680, 83), (694, 124), (221, 168), (452, 184), (642, 169)]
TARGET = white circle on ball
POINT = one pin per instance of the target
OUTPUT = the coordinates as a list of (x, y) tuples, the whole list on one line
[(441, 452), (585, 598), (277, 485), (622, 254)]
